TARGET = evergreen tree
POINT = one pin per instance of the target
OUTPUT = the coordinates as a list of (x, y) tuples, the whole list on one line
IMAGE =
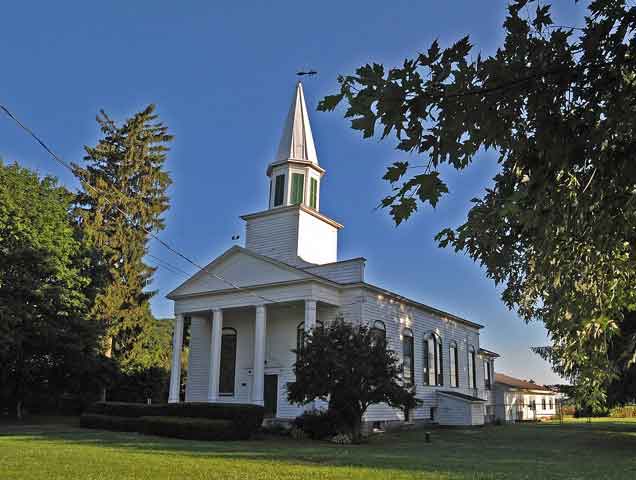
[(126, 169)]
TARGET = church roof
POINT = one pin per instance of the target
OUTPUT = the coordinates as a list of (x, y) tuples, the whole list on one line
[(297, 142)]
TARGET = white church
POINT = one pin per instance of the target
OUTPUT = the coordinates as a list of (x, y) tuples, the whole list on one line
[(252, 305)]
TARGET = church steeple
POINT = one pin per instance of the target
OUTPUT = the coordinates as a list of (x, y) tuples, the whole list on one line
[(297, 142), (295, 174)]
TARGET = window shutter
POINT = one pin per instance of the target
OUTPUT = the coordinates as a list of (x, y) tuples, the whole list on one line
[(279, 190), (298, 184), (313, 193)]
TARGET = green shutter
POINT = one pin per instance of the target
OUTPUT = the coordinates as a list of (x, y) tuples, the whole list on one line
[(313, 193), (279, 190), (298, 187)]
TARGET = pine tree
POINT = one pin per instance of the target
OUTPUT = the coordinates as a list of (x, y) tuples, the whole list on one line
[(126, 169)]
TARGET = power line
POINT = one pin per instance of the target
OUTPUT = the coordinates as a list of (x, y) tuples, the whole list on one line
[(126, 215), (166, 264)]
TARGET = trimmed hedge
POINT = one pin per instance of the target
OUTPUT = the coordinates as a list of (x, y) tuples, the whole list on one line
[(242, 419), (190, 428), (109, 422), (177, 427)]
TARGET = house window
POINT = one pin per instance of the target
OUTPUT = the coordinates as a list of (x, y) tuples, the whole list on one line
[(543, 403), (551, 404), (228, 362), (454, 371), (313, 192), (279, 190), (472, 373), (298, 187), (487, 375), (432, 360), (300, 336), (378, 332), (408, 358)]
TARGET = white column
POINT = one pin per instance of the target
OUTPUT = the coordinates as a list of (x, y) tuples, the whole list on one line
[(260, 327), (175, 371), (310, 324), (310, 315), (215, 355)]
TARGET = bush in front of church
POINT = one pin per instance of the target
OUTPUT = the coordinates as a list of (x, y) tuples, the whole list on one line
[(320, 424), (351, 367), (203, 421)]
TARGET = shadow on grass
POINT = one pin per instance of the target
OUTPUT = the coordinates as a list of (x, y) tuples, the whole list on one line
[(598, 450)]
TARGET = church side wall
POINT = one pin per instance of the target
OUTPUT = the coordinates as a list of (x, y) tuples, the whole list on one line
[(397, 316)]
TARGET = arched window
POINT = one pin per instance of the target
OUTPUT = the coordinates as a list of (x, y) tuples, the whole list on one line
[(543, 404), (454, 371), (408, 359), (300, 335), (432, 360), (378, 332), (227, 373), (300, 338), (551, 404), (472, 372), (487, 375)]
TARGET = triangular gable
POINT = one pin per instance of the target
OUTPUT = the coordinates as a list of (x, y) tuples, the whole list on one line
[(238, 267)]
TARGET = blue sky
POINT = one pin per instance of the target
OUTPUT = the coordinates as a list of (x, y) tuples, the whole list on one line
[(222, 75)]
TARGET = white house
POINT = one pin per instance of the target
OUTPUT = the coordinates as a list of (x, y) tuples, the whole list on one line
[(252, 305), (518, 400)]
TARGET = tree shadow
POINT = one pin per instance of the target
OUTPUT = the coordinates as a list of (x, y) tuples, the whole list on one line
[(545, 450)]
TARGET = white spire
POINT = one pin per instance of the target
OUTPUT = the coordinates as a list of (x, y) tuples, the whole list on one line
[(297, 143)]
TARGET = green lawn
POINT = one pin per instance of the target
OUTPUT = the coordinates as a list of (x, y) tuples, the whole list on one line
[(60, 450)]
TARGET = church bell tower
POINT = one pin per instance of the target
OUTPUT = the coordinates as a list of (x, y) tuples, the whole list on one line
[(295, 174), (292, 229)]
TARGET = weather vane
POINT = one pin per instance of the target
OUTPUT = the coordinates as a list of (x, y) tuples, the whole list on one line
[(309, 72)]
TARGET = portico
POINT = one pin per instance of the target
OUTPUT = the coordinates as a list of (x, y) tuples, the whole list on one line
[(242, 348)]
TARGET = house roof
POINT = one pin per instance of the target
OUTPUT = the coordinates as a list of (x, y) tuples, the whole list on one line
[(488, 353), (518, 383), (297, 142), (461, 396)]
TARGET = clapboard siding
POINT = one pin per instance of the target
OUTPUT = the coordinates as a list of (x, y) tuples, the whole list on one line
[(198, 360), (455, 412), (348, 271), (275, 236), (358, 305), (397, 316)]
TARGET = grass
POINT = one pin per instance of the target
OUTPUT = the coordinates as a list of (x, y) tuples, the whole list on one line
[(58, 449)]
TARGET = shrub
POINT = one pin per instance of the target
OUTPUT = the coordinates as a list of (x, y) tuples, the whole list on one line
[(245, 419), (190, 428), (109, 422), (623, 411), (319, 424), (568, 410), (584, 412)]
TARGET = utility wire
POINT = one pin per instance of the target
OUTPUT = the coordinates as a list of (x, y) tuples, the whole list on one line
[(127, 216)]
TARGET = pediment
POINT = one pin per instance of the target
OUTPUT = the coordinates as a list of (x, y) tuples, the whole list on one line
[(237, 267)]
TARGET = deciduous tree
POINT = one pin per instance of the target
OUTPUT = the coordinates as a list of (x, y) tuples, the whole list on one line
[(350, 367), (558, 106)]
